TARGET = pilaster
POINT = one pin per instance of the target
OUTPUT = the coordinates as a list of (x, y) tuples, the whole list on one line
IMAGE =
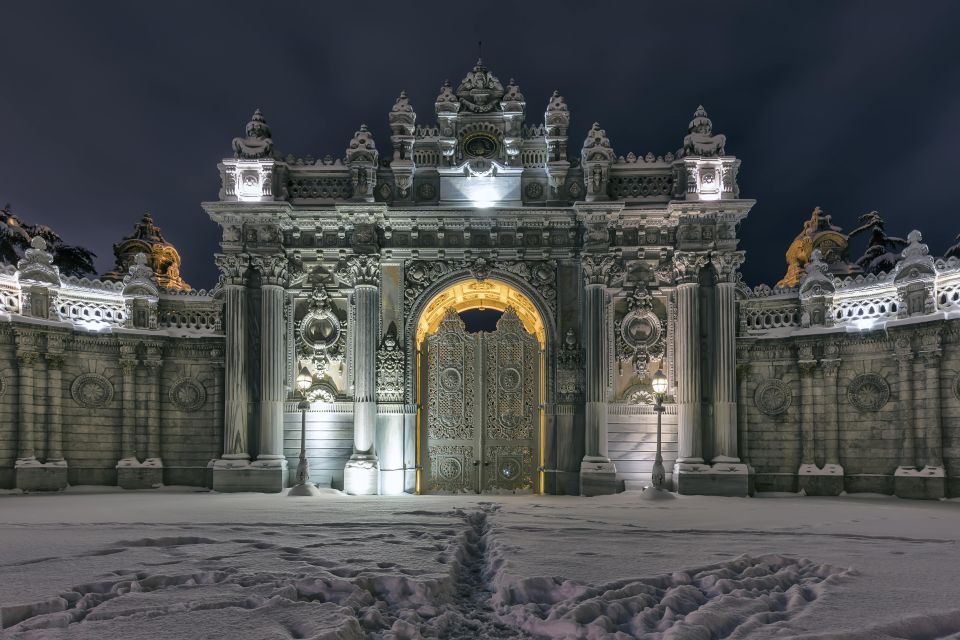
[(30, 473), (361, 475), (598, 475)]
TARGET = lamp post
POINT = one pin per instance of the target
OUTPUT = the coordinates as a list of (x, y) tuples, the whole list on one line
[(303, 487), (659, 476)]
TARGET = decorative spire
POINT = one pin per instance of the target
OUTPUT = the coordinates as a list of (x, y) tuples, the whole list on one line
[(596, 146), (556, 103), (162, 257), (700, 140), (362, 148), (480, 91), (258, 143)]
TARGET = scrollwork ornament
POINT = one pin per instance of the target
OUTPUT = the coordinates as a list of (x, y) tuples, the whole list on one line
[(598, 271), (187, 394), (320, 332), (687, 266), (273, 269), (868, 392), (233, 267), (773, 397), (726, 265), (91, 390), (390, 368)]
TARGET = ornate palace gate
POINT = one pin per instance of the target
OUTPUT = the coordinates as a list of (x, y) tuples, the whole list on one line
[(482, 409)]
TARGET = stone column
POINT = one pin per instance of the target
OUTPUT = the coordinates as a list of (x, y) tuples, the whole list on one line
[(153, 366), (743, 425), (933, 429), (687, 359), (128, 429), (55, 408), (361, 475), (27, 451), (725, 369), (273, 359), (597, 473), (807, 415), (234, 268), (904, 355), (829, 481)]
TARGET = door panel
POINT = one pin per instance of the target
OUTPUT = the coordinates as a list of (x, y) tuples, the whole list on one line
[(482, 408), (452, 415), (511, 414)]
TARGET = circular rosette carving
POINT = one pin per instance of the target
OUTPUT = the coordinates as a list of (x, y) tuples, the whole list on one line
[(450, 380), (534, 190), (509, 468), (426, 191), (320, 330), (868, 392), (449, 468), (91, 390), (509, 380), (188, 395), (773, 397)]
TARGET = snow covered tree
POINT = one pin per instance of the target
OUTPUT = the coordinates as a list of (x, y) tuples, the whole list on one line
[(883, 252), (954, 251), (15, 236)]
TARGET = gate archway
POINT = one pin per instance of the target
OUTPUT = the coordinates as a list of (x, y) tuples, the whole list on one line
[(480, 397)]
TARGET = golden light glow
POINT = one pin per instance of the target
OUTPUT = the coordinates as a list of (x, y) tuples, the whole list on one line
[(480, 294)]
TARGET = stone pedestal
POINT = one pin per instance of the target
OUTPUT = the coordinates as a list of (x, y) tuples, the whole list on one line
[(132, 474), (720, 479), (36, 476), (598, 476), (816, 481), (231, 476), (361, 476), (919, 484)]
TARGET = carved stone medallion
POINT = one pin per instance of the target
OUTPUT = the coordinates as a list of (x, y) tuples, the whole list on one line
[(868, 392), (187, 394), (91, 390), (426, 191), (773, 397), (534, 190), (320, 330)]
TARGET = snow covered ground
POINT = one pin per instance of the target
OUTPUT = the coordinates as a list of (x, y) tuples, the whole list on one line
[(183, 564)]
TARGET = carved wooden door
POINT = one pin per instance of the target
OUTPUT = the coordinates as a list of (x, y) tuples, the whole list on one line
[(482, 413)]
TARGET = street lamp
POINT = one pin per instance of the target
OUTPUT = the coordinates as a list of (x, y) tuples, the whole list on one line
[(303, 487), (659, 476)]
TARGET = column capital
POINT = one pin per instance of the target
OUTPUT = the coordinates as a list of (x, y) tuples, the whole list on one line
[(233, 267), (807, 366), (152, 364), (687, 266), (598, 270), (54, 360), (830, 367), (26, 358), (273, 269), (360, 270), (726, 264)]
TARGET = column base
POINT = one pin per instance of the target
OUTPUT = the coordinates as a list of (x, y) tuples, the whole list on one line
[(816, 481), (133, 474), (306, 490), (392, 482), (919, 484), (719, 479), (598, 476), (361, 476), (232, 476), (33, 475)]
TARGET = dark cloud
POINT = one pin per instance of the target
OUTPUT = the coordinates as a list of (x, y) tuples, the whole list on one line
[(113, 109)]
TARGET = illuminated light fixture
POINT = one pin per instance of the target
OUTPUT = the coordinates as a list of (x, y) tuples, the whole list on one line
[(659, 382), (658, 475), (303, 487)]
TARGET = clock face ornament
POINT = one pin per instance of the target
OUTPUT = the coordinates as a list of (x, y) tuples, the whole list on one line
[(480, 145)]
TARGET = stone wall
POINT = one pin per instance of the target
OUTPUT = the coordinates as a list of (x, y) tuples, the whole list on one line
[(896, 405), (125, 395)]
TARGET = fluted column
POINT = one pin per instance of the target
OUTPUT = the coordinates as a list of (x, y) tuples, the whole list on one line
[(743, 425), (128, 428), (273, 357), (933, 428), (236, 394), (807, 418), (596, 273), (904, 355), (25, 361), (153, 365), (362, 272), (55, 407), (724, 392), (831, 427), (687, 354)]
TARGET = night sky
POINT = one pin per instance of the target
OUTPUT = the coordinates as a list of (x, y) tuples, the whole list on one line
[(114, 109)]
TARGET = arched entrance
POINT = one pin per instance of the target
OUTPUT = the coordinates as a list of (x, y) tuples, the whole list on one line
[(480, 394)]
